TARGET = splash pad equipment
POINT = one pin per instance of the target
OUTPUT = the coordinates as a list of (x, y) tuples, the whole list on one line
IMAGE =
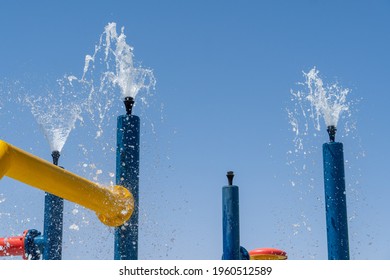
[(127, 175), (231, 229), (126, 235), (30, 245), (53, 221), (114, 206), (231, 220), (267, 254), (113, 62), (326, 102), (335, 198)]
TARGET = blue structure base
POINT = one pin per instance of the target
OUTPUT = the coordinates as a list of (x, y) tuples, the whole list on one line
[(127, 175), (230, 223), (53, 225), (335, 201)]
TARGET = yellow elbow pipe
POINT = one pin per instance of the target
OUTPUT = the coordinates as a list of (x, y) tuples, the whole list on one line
[(113, 206)]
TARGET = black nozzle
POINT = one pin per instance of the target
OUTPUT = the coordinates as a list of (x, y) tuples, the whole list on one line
[(332, 132), (55, 155), (230, 175), (129, 102)]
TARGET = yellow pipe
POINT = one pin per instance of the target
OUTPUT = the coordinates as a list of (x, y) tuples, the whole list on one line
[(113, 206)]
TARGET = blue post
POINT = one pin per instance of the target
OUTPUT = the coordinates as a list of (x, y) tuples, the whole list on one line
[(230, 221), (53, 223), (335, 201), (127, 175)]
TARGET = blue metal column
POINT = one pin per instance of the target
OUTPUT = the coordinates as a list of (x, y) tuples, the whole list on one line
[(335, 201), (53, 223), (127, 175), (230, 220)]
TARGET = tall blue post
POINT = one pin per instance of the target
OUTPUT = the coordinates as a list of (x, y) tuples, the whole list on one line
[(335, 199), (230, 220), (53, 223), (127, 175)]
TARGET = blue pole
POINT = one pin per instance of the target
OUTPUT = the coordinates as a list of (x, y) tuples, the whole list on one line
[(127, 175), (230, 221), (335, 201), (53, 223)]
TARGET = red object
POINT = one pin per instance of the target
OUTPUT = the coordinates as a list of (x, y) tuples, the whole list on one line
[(12, 246), (267, 254)]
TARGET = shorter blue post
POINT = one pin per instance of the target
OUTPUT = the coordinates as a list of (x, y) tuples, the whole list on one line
[(335, 201), (230, 220), (127, 175)]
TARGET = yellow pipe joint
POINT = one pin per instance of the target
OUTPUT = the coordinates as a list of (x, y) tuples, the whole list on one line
[(114, 206)]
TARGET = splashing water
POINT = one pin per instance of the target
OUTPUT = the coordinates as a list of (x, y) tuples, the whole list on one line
[(314, 105), (318, 101), (91, 100), (327, 101), (111, 68), (57, 112), (129, 78)]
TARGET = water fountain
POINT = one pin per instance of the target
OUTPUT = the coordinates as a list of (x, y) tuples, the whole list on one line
[(130, 80), (327, 102), (57, 119), (115, 56), (56, 112)]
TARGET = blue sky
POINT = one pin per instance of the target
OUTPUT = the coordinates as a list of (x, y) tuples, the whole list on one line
[(224, 72)]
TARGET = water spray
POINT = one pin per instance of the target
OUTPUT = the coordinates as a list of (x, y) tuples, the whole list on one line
[(326, 102)]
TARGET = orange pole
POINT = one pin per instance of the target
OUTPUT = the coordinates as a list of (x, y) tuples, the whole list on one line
[(12, 246)]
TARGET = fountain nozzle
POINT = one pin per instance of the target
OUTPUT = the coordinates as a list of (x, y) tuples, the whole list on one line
[(332, 132), (55, 155), (129, 102), (230, 175)]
